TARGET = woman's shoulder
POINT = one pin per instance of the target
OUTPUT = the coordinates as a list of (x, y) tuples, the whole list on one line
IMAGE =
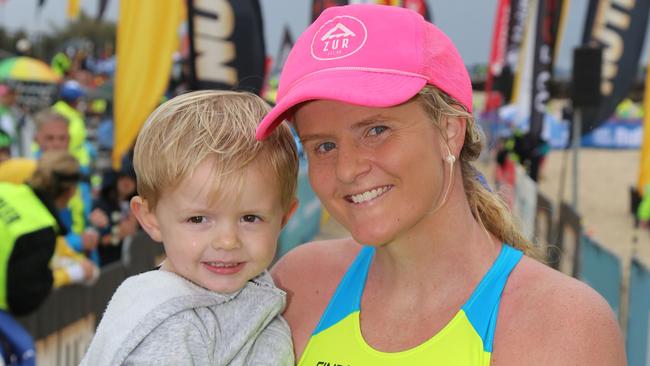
[(311, 261), (547, 317), (310, 275)]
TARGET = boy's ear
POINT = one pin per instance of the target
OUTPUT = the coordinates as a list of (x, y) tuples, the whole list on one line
[(146, 218), (292, 209)]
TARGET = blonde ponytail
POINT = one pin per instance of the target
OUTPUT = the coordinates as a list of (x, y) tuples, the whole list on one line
[(487, 207)]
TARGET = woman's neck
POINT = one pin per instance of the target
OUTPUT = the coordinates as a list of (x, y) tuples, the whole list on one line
[(444, 245)]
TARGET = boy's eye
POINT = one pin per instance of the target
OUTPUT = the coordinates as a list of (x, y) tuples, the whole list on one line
[(250, 218), (377, 130), (325, 147), (196, 219)]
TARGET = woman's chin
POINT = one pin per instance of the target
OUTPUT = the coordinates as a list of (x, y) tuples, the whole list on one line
[(372, 237)]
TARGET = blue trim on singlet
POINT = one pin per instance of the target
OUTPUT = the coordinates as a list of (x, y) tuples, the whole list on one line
[(482, 308), (347, 298)]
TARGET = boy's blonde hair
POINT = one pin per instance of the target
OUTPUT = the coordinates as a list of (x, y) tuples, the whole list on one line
[(181, 133)]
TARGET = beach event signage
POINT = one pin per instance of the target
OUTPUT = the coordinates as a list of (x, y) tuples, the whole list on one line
[(638, 323), (619, 26), (226, 45)]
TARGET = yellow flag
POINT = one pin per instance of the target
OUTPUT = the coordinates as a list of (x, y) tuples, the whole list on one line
[(644, 162), (73, 8), (147, 37)]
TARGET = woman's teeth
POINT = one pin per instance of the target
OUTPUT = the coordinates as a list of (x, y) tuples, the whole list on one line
[(369, 195)]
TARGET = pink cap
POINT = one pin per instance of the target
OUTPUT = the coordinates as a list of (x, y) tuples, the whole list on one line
[(369, 55)]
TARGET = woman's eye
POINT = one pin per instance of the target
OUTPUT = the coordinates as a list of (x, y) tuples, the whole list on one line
[(196, 219), (377, 130), (325, 147), (250, 218)]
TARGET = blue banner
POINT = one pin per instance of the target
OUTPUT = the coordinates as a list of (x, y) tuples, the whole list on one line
[(638, 324), (601, 270)]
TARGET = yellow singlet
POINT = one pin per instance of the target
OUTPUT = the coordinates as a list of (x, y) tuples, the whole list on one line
[(465, 341)]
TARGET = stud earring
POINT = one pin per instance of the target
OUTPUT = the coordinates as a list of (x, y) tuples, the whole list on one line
[(450, 159)]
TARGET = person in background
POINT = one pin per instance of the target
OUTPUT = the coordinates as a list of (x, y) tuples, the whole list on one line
[(118, 187), (29, 224), (8, 118), (71, 94), (52, 134), (217, 199), (5, 146), (643, 210), (382, 103)]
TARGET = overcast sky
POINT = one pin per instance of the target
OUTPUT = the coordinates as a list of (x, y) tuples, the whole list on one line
[(467, 22)]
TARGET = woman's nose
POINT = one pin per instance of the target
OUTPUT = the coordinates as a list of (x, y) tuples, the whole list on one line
[(351, 163)]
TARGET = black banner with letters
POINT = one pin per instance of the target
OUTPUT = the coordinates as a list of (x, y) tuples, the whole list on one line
[(619, 26), (226, 45), (541, 72)]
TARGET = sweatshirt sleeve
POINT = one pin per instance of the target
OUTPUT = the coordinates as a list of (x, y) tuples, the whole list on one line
[(179, 340), (273, 346)]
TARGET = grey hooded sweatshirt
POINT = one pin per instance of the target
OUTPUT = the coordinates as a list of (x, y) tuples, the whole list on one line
[(160, 318)]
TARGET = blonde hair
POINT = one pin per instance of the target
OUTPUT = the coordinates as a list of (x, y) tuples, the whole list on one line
[(184, 131), (56, 173), (488, 208), (46, 115)]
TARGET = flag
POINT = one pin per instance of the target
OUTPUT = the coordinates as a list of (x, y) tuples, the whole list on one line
[(317, 6), (146, 40), (74, 6), (497, 54), (619, 27), (226, 45), (644, 163)]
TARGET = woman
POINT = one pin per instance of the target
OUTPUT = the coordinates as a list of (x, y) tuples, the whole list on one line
[(30, 225), (434, 272)]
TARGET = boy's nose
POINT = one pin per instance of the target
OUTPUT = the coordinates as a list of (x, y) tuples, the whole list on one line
[(226, 241)]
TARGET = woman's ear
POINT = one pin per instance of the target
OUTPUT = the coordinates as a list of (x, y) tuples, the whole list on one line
[(455, 130), (146, 218)]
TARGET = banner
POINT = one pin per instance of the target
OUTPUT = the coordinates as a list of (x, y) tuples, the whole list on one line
[(317, 6), (541, 71), (226, 45), (419, 6), (644, 160), (556, 11), (619, 26), (146, 40), (497, 55), (101, 9), (72, 11), (516, 30), (283, 51)]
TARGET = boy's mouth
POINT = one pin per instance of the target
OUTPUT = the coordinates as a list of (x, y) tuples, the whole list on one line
[(224, 268)]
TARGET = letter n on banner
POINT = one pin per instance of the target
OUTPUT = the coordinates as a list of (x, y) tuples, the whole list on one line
[(226, 45)]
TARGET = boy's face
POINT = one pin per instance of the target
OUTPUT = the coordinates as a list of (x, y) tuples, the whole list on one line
[(219, 246)]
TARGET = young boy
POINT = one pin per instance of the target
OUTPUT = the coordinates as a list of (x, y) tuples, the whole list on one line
[(217, 199)]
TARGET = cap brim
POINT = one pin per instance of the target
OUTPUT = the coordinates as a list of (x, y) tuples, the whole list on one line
[(369, 89)]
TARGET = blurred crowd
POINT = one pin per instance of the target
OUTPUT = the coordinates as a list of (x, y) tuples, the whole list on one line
[(63, 208)]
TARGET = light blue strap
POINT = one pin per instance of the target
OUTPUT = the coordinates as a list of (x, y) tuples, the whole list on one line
[(482, 308), (347, 298)]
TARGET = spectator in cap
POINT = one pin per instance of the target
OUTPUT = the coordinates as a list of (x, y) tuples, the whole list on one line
[(71, 94)]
